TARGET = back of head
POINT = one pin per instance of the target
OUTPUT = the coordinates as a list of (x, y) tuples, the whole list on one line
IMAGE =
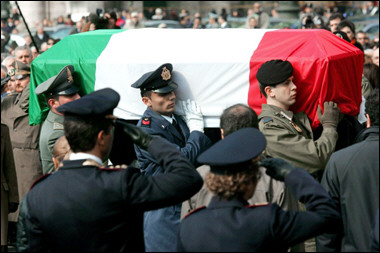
[(86, 117), (371, 72), (61, 149), (372, 107), (336, 15), (236, 117)]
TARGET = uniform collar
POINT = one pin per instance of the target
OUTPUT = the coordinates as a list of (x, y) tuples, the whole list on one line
[(85, 156), (160, 118), (216, 203), (277, 109)]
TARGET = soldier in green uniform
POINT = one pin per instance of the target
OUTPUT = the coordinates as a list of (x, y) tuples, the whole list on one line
[(290, 135), (58, 90)]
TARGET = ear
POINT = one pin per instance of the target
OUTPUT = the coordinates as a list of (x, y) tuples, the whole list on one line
[(222, 133), (100, 138), (56, 163), (147, 101), (368, 120), (269, 91), (53, 103)]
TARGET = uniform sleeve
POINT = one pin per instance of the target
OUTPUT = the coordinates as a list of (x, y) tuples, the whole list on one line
[(35, 234), (49, 165), (22, 230), (196, 144), (9, 166), (330, 182), (321, 215), (298, 150), (178, 182)]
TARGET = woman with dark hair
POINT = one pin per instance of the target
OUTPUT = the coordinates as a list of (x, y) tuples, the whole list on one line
[(371, 72)]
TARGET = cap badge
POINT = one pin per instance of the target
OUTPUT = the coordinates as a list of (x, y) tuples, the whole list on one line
[(165, 74), (11, 72), (69, 76)]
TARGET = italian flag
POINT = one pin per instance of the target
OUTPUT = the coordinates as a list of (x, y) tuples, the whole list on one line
[(215, 67)]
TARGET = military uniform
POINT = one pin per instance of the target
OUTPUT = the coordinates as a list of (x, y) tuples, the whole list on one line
[(52, 127), (9, 191), (85, 207), (290, 137), (161, 226), (231, 225), (24, 138), (51, 130)]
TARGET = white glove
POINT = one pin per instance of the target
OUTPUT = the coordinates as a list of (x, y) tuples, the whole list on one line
[(193, 115)]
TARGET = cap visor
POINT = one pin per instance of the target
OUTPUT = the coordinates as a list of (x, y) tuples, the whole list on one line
[(19, 77), (69, 91), (172, 86)]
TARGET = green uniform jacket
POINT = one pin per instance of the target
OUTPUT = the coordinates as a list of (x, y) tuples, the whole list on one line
[(51, 130), (298, 148)]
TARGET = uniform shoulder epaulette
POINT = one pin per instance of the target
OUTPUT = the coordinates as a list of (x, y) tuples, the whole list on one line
[(257, 204), (145, 122), (267, 119), (195, 210), (57, 126), (41, 178)]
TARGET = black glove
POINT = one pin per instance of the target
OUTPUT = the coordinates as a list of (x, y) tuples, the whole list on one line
[(277, 168), (138, 136), (12, 207)]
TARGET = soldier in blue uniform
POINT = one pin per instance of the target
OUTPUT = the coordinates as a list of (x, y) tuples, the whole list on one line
[(86, 207), (157, 92), (229, 224)]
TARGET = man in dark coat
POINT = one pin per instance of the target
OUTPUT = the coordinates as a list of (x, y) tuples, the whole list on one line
[(86, 207), (229, 224), (351, 178), (157, 92)]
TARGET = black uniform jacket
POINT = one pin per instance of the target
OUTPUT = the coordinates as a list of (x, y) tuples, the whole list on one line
[(235, 226), (87, 208)]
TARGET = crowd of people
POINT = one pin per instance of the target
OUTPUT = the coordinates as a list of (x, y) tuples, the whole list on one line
[(270, 182)]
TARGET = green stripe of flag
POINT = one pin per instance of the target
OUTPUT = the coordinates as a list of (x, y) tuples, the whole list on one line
[(80, 50)]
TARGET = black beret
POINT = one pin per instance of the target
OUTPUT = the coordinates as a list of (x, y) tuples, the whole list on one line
[(60, 84), (342, 35), (159, 81), (274, 72), (235, 152), (96, 104)]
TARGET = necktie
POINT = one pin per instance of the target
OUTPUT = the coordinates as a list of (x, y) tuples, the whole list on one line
[(175, 124)]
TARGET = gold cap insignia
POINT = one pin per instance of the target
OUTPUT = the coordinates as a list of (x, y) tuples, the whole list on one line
[(165, 74), (69, 76)]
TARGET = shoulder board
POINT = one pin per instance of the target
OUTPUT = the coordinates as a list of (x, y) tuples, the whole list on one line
[(195, 210), (257, 204), (40, 179), (146, 121), (57, 126), (267, 119), (109, 169)]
